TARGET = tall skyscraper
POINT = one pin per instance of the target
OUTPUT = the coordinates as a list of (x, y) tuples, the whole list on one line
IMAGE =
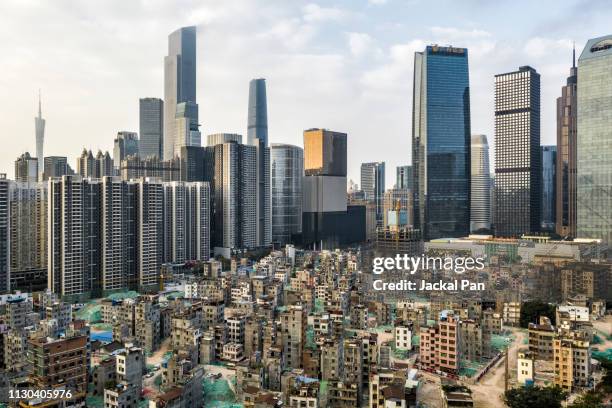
[(567, 109), (257, 135), (4, 233), (373, 186), (55, 166), (26, 168), (179, 87), (441, 142), (403, 178), (287, 172), (549, 187), (220, 138), (480, 195), (518, 167), (150, 232), (151, 127), (94, 167), (231, 170), (326, 218), (594, 193), (39, 125), (126, 144)]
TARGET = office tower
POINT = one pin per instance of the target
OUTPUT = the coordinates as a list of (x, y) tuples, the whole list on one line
[(133, 168), (192, 163), (179, 87), (151, 127), (28, 236), (55, 166), (220, 138), (118, 234), (187, 225), (231, 170), (594, 192), (94, 167), (287, 172), (39, 126), (324, 153), (186, 127), (150, 232), (26, 168), (257, 135), (441, 142), (518, 169), (126, 144), (549, 185), (567, 110), (326, 218), (373, 185), (403, 177), (74, 262), (480, 195), (4, 233)]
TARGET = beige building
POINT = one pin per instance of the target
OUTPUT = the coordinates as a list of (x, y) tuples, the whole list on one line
[(572, 357)]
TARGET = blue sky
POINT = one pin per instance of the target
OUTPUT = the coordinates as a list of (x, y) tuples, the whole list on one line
[(344, 65)]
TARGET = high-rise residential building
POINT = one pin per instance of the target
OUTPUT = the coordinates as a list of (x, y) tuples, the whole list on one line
[(231, 170), (151, 127), (187, 221), (39, 127), (126, 144), (257, 135), (567, 145), (26, 168), (28, 236), (403, 177), (4, 233), (549, 187), (74, 259), (94, 167), (179, 87), (373, 185), (480, 194), (55, 166), (518, 167), (287, 173), (149, 232), (594, 192), (441, 142)]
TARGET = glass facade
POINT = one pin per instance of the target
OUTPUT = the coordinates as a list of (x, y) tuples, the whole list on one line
[(549, 188), (441, 142), (373, 186), (403, 177), (287, 172), (480, 208), (594, 166)]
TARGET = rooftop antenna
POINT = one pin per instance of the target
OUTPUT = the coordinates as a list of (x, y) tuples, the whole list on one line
[(574, 55), (39, 105)]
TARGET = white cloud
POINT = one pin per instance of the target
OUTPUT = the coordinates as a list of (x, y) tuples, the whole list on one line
[(377, 2), (359, 43), (538, 47), (315, 13)]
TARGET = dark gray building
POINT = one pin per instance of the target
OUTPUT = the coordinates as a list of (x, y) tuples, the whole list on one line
[(125, 144), (26, 168), (518, 167), (373, 186), (403, 178), (151, 127), (55, 166), (192, 163)]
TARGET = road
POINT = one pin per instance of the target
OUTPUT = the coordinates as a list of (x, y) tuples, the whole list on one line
[(487, 393)]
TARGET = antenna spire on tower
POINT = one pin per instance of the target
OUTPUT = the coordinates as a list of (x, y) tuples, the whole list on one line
[(39, 105), (574, 55)]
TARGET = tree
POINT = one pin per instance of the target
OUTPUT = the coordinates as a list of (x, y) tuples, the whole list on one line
[(531, 397), (591, 399), (532, 310)]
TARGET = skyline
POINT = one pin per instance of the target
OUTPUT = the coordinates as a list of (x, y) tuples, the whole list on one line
[(361, 54)]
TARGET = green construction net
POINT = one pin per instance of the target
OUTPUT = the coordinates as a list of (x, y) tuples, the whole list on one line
[(218, 394), (129, 294)]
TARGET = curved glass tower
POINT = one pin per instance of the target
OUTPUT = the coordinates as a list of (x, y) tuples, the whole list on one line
[(287, 171), (441, 142)]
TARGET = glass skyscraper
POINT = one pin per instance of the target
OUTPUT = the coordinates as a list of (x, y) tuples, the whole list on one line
[(480, 200), (403, 178), (594, 165), (287, 172), (373, 186), (151, 127), (441, 142), (549, 188)]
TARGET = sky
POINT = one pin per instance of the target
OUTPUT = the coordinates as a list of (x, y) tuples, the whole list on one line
[(344, 65)]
